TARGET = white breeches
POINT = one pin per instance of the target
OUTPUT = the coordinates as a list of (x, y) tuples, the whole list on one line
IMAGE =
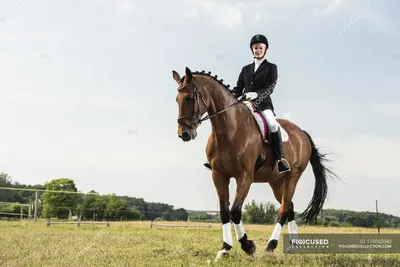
[(273, 125)]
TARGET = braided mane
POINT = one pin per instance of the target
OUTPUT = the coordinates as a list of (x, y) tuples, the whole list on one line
[(204, 73)]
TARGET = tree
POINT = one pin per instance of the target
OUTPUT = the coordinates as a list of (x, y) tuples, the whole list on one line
[(5, 179), (137, 203), (6, 195), (175, 215), (396, 222), (93, 206), (155, 210), (199, 216), (58, 204), (181, 214), (259, 214), (133, 214), (99, 207), (117, 208)]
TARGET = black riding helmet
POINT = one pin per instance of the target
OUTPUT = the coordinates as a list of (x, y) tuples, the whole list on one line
[(259, 38)]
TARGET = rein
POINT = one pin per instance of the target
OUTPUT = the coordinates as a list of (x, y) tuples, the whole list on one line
[(196, 113)]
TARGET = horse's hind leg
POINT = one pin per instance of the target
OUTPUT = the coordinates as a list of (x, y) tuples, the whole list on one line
[(283, 191), (292, 226)]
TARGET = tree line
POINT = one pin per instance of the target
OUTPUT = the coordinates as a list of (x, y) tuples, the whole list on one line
[(348, 218), (89, 206), (93, 206)]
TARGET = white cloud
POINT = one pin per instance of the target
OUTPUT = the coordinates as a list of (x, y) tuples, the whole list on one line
[(125, 7), (332, 6), (209, 5), (231, 17), (225, 15), (329, 8), (353, 10)]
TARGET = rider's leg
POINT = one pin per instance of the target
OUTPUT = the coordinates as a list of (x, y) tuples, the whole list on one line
[(274, 127)]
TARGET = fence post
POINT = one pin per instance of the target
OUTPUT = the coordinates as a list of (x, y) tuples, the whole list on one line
[(36, 206), (30, 210)]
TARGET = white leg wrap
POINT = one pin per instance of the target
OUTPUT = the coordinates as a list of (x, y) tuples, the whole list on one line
[(227, 233), (239, 230), (292, 230), (276, 233), (292, 227), (272, 123)]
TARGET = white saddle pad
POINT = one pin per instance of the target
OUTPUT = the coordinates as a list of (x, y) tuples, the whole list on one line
[(262, 124)]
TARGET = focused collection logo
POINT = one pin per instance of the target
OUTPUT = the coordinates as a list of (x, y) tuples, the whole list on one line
[(309, 243)]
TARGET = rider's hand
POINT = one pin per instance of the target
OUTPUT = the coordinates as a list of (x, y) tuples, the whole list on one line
[(250, 95)]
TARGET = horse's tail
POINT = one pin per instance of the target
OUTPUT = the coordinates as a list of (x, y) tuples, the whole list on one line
[(321, 188)]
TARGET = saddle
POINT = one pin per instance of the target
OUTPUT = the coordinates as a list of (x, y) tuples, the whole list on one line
[(261, 121)]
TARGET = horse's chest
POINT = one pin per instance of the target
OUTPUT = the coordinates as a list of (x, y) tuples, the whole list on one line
[(224, 155)]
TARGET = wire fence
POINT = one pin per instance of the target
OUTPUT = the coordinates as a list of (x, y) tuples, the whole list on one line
[(104, 211)]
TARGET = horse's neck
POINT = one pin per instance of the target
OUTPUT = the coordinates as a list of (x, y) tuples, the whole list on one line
[(218, 99)]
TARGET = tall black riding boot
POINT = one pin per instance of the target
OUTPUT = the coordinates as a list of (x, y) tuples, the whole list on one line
[(283, 165)]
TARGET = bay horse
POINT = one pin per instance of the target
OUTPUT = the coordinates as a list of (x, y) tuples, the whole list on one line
[(233, 147)]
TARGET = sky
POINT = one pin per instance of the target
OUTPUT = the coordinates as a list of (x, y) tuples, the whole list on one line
[(86, 92)]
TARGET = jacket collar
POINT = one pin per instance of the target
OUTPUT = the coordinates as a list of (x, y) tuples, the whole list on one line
[(252, 66), (262, 65)]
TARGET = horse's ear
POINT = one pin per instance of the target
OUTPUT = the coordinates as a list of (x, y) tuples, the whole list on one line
[(189, 75), (176, 76)]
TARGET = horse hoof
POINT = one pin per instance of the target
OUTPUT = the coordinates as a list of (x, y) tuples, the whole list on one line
[(249, 248), (252, 257), (221, 253), (272, 244)]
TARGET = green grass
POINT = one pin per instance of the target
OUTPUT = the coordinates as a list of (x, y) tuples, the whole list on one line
[(136, 244)]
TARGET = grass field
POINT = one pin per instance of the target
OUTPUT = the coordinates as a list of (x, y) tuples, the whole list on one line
[(136, 244)]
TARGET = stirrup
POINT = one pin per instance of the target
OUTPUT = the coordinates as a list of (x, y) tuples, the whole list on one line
[(207, 165), (283, 161)]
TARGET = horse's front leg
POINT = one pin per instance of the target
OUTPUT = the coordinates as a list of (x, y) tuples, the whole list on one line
[(221, 183), (244, 182)]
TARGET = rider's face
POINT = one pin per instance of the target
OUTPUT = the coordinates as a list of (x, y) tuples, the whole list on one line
[(259, 49)]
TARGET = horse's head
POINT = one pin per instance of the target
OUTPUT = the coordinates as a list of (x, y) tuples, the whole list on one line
[(190, 109)]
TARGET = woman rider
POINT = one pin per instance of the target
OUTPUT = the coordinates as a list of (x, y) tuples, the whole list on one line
[(258, 80)]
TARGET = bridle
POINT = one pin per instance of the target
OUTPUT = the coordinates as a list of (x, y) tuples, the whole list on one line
[(196, 112)]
